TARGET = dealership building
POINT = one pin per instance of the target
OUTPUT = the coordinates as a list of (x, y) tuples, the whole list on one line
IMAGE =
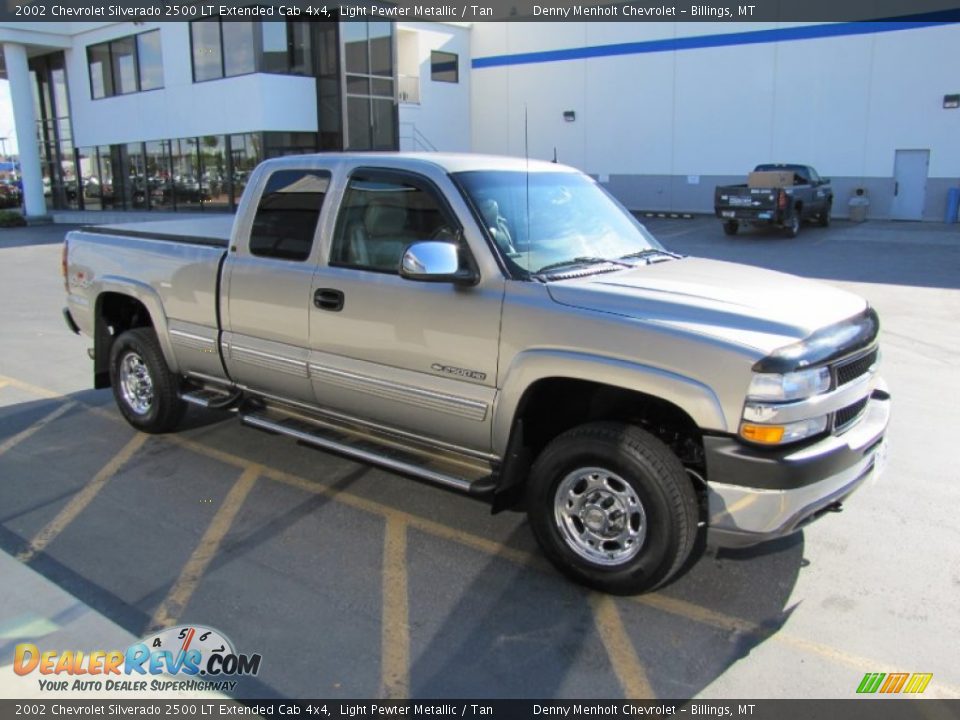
[(174, 116)]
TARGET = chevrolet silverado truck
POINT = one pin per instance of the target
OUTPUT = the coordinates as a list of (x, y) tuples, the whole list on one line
[(806, 196), (503, 328)]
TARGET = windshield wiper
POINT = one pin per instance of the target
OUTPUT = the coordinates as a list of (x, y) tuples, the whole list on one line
[(648, 252), (582, 261)]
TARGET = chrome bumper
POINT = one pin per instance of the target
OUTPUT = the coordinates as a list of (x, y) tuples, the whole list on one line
[(740, 515)]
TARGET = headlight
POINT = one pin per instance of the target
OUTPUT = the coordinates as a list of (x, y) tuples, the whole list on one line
[(782, 434), (782, 387)]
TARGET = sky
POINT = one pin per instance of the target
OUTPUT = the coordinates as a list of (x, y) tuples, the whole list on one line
[(6, 118)]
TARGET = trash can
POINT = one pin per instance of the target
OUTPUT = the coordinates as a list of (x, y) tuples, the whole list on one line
[(858, 205), (953, 205)]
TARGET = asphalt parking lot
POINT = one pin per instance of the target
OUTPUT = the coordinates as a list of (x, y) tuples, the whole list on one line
[(353, 582)]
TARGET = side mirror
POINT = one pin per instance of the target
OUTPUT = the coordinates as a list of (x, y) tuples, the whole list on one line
[(824, 181), (433, 261)]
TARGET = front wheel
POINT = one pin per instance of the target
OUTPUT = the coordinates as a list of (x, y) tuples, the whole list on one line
[(612, 507), (824, 217), (143, 386), (730, 227)]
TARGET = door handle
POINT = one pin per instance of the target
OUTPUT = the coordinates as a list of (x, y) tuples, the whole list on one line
[(328, 299), (896, 189)]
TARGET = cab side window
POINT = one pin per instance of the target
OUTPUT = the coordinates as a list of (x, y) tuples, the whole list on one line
[(380, 216), (287, 214)]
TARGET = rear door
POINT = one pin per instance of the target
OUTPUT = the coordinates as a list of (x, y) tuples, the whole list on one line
[(268, 286), (417, 356)]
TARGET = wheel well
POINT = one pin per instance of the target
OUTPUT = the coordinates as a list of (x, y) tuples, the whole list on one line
[(115, 313), (552, 406)]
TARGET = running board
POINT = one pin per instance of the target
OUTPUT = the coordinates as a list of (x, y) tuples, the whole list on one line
[(213, 399), (456, 471)]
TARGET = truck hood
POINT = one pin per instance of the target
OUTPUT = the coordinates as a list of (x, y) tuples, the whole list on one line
[(739, 304)]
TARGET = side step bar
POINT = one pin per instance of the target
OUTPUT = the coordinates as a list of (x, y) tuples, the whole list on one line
[(212, 399), (341, 442)]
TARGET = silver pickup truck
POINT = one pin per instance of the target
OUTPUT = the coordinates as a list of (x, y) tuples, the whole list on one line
[(501, 327)]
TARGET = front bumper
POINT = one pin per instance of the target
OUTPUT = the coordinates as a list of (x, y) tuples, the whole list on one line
[(756, 495)]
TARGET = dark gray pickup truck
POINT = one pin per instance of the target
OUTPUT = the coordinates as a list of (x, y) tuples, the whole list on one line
[(808, 197)]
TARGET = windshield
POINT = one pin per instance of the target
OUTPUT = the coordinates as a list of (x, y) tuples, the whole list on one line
[(548, 219)]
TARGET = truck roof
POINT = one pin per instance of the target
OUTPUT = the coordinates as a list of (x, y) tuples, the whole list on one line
[(450, 162)]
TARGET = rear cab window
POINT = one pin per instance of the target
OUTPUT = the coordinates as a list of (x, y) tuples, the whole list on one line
[(287, 214)]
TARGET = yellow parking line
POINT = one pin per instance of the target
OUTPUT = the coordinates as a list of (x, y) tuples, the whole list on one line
[(38, 425), (674, 606), (82, 499), (395, 625), (172, 607), (626, 665)]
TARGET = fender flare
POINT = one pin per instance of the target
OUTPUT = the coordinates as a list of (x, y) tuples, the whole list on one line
[(693, 397), (150, 299)]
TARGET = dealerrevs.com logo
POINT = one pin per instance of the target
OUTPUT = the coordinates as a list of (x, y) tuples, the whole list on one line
[(184, 658)]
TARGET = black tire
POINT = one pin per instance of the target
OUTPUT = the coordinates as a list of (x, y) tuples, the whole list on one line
[(730, 227), (824, 218), (791, 228), (150, 401), (629, 461)]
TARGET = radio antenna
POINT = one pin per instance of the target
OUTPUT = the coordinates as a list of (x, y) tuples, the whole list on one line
[(526, 155)]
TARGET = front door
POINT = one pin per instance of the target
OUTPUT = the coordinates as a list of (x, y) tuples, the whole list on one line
[(910, 184), (417, 356)]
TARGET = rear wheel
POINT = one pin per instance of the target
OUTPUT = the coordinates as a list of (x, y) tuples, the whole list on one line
[(612, 507), (730, 227), (792, 227), (143, 386)]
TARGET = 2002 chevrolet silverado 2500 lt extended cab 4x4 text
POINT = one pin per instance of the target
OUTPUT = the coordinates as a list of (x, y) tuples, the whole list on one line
[(504, 328), (803, 195)]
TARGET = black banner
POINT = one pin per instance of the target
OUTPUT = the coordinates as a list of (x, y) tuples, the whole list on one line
[(486, 10), (858, 709)]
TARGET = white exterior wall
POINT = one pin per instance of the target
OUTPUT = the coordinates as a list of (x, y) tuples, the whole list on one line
[(183, 108), (842, 104), (443, 115)]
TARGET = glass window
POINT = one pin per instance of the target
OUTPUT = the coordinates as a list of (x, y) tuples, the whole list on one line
[(158, 181), (381, 48), (123, 53), (247, 153), (185, 161), (301, 55), (287, 215), (238, 48), (275, 49), (207, 59), (101, 80), (443, 67), (380, 217), (214, 179), (136, 185), (355, 46), (383, 125), (89, 177), (150, 57)]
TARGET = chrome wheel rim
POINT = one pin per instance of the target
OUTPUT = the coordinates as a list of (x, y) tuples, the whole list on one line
[(136, 385), (600, 516)]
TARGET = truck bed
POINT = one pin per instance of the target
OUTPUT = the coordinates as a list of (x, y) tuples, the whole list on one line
[(214, 230)]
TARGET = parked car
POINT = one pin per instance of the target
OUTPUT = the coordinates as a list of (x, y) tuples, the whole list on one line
[(799, 194), (502, 328)]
